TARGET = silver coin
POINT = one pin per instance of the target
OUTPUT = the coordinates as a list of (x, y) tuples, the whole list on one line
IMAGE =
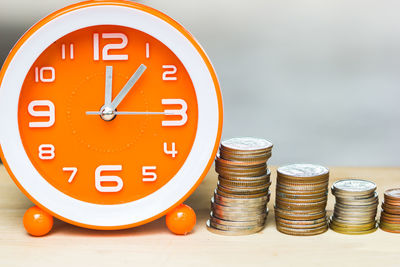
[(354, 195), (252, 223), (359, 199), (302, 226), (233, 232), (216, 206), (348, 222), (227, 183), (354, 214), (243, 187), (359, 213), (265, 177), (296, 213), (233, 228), (250, 158), (302, 232), (372, 202), (355, 219), (239, 205), (222, 213), (354, 186), (240, 168), (233, 174), (303, 170), (302, 196), (243, 191), (238, 164), (241, 195), (351, 196), (246, 144), (238, 216), (299, 188), (248, 202)]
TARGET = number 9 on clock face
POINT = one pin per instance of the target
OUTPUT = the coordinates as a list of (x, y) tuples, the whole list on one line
[(112, 116)]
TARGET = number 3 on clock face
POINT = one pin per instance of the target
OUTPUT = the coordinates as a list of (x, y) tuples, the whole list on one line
[(112, 114)]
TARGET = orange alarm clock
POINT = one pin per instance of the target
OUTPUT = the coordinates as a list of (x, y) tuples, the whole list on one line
[(111, 114)]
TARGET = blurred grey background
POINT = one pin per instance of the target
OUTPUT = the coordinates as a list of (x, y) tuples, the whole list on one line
[(320, 79)]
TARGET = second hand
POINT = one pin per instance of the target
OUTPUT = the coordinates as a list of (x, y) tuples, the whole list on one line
[(132, 113)]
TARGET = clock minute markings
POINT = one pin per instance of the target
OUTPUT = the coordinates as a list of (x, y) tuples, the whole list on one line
[(147, 50)]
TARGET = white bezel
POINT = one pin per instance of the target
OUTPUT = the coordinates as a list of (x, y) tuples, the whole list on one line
[(108, 215)]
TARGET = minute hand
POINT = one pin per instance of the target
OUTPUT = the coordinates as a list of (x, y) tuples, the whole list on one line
[(128, 86)]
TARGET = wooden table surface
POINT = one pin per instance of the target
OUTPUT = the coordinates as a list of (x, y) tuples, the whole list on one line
[(154, 245)]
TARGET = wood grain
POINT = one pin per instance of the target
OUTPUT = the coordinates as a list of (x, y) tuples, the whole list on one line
[(154, 245)]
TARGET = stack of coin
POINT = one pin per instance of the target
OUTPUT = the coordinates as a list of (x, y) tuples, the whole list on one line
[(239, 204), (355, 207), (390, 216), (301, 196)]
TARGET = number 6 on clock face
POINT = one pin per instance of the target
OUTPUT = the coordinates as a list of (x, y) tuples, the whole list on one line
[(100, 179)]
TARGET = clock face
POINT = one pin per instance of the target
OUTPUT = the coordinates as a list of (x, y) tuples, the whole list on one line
[(114, 114), (78, 153)]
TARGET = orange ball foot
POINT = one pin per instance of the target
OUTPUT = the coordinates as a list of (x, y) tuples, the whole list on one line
[(182, 220), (37, 222)]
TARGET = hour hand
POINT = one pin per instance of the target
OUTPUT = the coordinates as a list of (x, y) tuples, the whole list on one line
[(128, 86)]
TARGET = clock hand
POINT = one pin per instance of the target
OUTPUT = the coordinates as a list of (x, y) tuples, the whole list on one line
[(128, 86), (132, 113), (108, 94)]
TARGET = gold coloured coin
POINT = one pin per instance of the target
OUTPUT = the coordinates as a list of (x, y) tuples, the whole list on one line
[(351, 232), (353, 187)]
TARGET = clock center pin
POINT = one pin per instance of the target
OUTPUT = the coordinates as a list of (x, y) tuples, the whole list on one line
[(107, 113)]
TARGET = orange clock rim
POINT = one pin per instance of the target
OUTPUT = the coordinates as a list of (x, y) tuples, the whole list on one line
[(171, 22)]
